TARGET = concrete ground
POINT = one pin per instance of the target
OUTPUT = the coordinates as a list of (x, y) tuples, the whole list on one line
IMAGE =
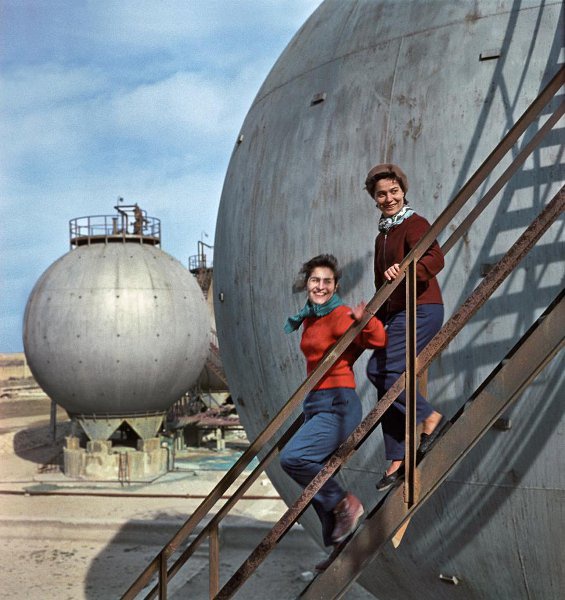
[(70, 540)]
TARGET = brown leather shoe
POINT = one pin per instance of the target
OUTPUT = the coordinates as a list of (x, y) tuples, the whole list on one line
[(347, 514)]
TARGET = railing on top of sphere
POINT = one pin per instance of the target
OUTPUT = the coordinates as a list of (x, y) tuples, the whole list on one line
[(130, 224)]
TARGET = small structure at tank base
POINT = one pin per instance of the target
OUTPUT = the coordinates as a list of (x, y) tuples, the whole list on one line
[(115, 332), (122, 449), (101, 460)]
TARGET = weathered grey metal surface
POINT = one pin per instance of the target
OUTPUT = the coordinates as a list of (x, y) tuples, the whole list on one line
[(117, 330), (403, 82)]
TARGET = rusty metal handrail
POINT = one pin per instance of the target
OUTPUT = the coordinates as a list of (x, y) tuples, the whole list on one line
[(441, 222), (364, 429), (235, 497), (327, 362), (518, 369)]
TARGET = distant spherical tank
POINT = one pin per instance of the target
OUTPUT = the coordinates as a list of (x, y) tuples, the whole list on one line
[(117, 330), (432, 86)]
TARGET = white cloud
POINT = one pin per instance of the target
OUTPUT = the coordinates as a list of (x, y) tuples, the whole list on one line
[(39, 87), (135, 98), (184, 104)]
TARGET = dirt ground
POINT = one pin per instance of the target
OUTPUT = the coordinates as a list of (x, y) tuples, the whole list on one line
[(65, 540)]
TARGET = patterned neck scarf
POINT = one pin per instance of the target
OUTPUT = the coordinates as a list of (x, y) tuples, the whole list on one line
[(312, 310), (387, 223)]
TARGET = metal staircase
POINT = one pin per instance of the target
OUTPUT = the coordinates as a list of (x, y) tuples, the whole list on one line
[(390, 517), (516, 371), (214, 361)]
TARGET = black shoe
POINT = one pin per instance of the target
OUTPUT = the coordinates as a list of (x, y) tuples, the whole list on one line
[(387, 481), (427, 439), (324, 564)]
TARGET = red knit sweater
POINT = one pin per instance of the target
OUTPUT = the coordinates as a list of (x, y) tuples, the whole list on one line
[(320, 334), (392, 247)]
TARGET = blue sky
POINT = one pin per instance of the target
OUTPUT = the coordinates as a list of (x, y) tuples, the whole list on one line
[(131, 98)]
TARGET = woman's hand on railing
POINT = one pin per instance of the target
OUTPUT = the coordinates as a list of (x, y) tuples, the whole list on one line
[(392, 272), (357, 312)]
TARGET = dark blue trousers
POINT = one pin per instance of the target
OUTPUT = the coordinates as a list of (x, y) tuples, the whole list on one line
[(329, 418), (387, 364)]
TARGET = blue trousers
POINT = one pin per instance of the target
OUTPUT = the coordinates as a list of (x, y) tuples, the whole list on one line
[(329, 418), (387, 364)]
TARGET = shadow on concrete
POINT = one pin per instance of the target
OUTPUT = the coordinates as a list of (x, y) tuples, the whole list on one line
[(36, 444), (283, 574)]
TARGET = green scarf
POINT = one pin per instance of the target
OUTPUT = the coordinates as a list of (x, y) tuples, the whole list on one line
[(312, 310)]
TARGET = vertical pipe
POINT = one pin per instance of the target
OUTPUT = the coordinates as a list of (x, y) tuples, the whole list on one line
[(163, 576), (411, 382), (214, 554), (53, 419)]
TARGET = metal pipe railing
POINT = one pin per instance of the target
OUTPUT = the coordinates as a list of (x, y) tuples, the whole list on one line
[(518, 369), (365, 428), (345, 451), (232, 500), (105, 228), (410, 482), (348, 447)]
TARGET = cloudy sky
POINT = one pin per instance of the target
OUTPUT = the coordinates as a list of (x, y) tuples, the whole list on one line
[(141, 99)]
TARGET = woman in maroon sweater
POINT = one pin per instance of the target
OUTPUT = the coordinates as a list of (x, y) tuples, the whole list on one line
[(400, 229)]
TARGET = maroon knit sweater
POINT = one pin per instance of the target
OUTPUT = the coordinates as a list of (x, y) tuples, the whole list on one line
[(392, 247)]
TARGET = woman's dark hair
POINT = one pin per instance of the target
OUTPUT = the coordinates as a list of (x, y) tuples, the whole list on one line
[(322, 260), (372, 184)]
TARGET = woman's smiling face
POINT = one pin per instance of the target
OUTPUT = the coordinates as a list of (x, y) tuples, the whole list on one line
[(321, 285), (389, 196)]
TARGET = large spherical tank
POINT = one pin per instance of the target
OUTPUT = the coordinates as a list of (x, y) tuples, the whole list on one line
[(432, 86), (116, 329)]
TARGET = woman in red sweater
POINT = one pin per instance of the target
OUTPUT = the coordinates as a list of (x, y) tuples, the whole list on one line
[(332, 409), (400, 229)]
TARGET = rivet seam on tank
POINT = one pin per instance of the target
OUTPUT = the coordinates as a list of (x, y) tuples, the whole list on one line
[(318, 98), (491, 54), (449, 579), (502, 424)]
